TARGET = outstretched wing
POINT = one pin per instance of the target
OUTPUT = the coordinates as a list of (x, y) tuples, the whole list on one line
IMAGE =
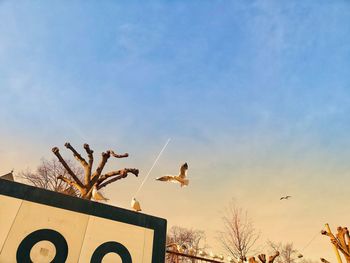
[(166, 178), (183, 170), (282, 198)]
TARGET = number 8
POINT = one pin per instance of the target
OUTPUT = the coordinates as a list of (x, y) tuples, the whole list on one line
[(60, 243)]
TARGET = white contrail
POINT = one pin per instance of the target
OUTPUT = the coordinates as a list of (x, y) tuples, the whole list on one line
[(144, 180)]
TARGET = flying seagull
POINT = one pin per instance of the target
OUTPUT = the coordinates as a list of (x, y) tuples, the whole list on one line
[(181, 178), (285, 197), (135, 205), (97, 195)]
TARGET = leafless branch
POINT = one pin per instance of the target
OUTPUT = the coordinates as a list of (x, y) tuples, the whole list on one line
[(120, 175), (238, 235), (70, 182), (46, 175), (252, 260), (96, 178), (76, 154), (97, 173), (124, 155), (340, 241), (273, 257), (285, 252), (91, 161), (262, 258), (56, 151)]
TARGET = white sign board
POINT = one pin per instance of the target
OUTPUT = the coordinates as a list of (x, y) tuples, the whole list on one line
[(43, 226)]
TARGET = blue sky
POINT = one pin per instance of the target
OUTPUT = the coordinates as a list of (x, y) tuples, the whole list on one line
[(253, 90), (163, 65)]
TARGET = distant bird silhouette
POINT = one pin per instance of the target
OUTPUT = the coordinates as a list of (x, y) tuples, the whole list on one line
[(285, 197), (135, 205), (181, 178), (97, 195)]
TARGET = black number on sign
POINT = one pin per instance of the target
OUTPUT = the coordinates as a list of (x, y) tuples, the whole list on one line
[(23, 251), (109, 247)]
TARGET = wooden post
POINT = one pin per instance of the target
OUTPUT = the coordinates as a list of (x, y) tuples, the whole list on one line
[(334, 246)]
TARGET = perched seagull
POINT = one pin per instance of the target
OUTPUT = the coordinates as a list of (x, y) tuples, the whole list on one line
[(213, 255), (180, 248), (285, 197), (135, 205), (181, 178), (97, 195), (202, 253), (191, 251)]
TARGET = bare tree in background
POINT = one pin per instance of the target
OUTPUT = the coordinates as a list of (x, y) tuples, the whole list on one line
[(47, 173), (186, 240), (91, 179), (238, 235), (288, 254)]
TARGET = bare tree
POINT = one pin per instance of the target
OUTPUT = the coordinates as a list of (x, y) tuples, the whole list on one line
[(238, 235), (341, 240), (47, 173), (184, 240), (92, 179), (288, 254)]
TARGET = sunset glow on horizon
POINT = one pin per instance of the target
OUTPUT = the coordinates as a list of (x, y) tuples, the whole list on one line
[(255, 96)]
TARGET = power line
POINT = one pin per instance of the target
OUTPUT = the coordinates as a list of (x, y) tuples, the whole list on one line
[(309, 243)]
